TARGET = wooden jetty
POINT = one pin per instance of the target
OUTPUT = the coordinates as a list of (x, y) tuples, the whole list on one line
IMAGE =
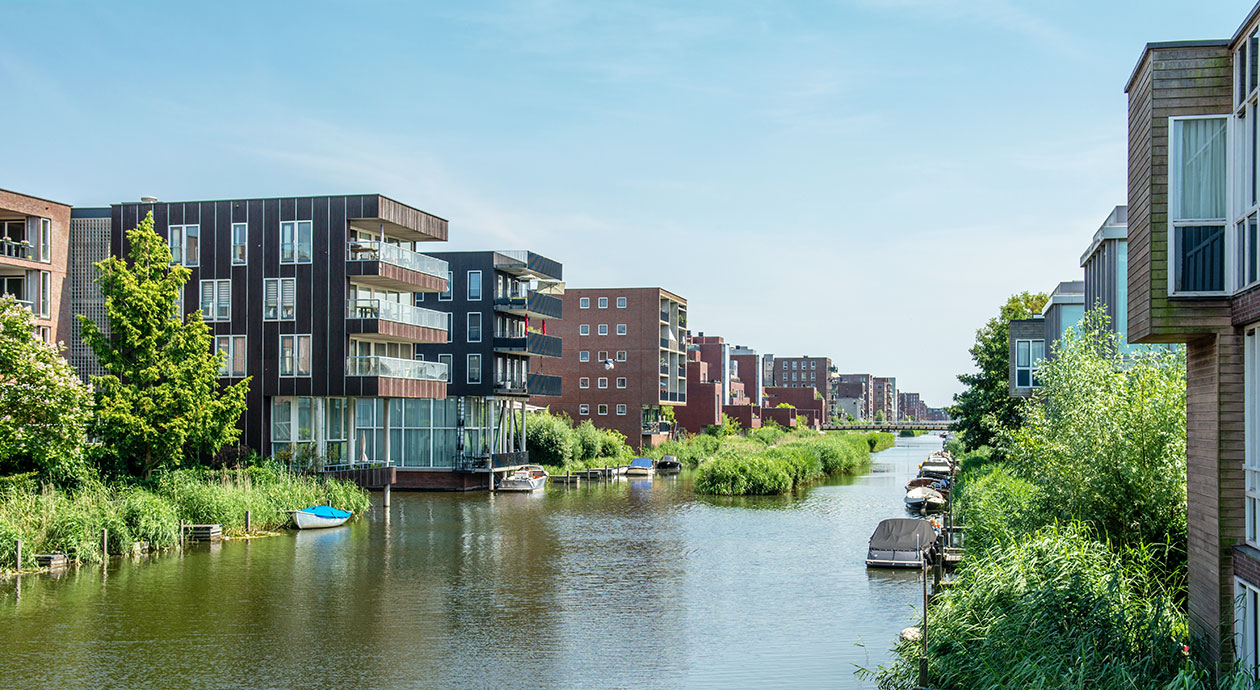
[(52, 561), (566, 479), (206, 533)]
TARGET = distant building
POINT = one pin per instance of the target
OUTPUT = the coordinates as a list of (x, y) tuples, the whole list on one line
[(911, 407), (1031, 340), (803, 372), (867, 384), (751, 374), (34, 251), (886, 396), (704, 397)]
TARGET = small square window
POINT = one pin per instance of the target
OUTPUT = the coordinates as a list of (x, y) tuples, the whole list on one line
[(584, 329), (603, 302), (584, 356), (584, 410), (603, 329), (584, 382), (584, 303), (603, 409), (621, 302), (603, 382), (603, 356), (621, 382), (621, 410), (621, 355), (621, 329)]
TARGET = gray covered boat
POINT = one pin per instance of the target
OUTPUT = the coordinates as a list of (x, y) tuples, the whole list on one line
[(900, 543)]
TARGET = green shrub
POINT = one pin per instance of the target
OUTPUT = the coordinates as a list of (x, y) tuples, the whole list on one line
[(586, 445), (767, 435), (549, 439)]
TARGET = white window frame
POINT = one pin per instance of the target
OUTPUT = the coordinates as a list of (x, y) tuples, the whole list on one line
[(584, 382), (220, 296), (602, 383), (621, 409), (1251, 435), (621, 329), (450, 288), (280, 284), (449, 361), (1032, 367), (468, 333), (244, 244), (621, 355), (621, 382), (584, 303), (602, 409), (295, 250), (621, 302), (584, 356), (584, 329), (603, 303), (468, 373), (45, 294), (229, 345), (45, 240), (603, 329), (1247, 625), (469, 287), (602, 356), (182, 231), (295, 368), (584, 410), (1173, 223)]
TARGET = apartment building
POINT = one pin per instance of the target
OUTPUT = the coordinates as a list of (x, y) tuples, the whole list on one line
[(704, 397), (866, 382), (1030, 341), (803, 372), (498, 304), (1193, 274), (911, 407), (34, 248), (886, 396), (751, 374), (624, 360)]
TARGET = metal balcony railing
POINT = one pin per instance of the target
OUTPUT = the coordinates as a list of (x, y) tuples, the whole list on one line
[(393, 254), (541, 384), (532, 344), (396, 368), (15, 250), (396, 312), (536, 304)]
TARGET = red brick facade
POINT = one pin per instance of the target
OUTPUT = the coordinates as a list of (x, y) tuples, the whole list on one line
[(17, 262)]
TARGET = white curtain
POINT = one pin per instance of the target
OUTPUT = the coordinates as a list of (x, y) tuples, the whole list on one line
[(1199, 150)]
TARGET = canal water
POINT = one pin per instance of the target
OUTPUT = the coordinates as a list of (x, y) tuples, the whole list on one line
[(635, 584)]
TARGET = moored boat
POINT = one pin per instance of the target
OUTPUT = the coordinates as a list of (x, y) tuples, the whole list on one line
[(900, 543), (320, 517), (640, 467), (526, 479), (668, 465), (918, 497)]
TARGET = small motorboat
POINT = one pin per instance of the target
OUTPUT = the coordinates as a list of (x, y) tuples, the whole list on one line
[(319, 517), (917, 498), (900, 543), (935, 504), (668, 465), (528, 478), (929, 482), (640, 467)]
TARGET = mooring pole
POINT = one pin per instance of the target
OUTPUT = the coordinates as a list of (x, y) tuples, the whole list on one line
[(385, 497), (923, 660), (248, 522), (104, 544), (19, 555)]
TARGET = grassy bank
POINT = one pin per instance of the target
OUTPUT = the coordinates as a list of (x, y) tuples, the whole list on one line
[(49, 520), (753, 468)]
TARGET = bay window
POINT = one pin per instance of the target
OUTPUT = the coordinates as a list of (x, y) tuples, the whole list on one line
[(1197, 196), (1028, 356)]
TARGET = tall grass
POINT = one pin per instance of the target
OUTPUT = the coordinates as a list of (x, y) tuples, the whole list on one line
[(50, 520), (750, 468)]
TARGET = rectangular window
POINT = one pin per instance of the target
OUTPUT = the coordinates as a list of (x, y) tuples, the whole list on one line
[(621, 329), (584, 329), (584, 382), (281, 421), (45, 240), (279, 299), (584, 410), (621, 382), (234, 351), (621, 355), (1247, 625), (216, 300), (603, 356), (445, 295), (1028, 356), (45, 294), (603, 382), (1251, 437), (240, 236), (602, 409), (603, 329), (448, 360), (584, 303), (474, 369), (295, 355), (1197, 196), (474, 286), (621, 302), (474, 327), (603, 302), (185, 241), (621, 409), (584, 356), (295, 242)]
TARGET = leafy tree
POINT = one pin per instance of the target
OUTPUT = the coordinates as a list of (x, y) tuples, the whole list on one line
[(159, 403), (879, 416), (729, 427), (987, 405), (44, 407)]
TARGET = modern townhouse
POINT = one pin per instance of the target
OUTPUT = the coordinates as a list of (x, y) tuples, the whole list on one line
[(624, 360), (1030, 341), (1106, 266), (1193, 273), (34, 247)]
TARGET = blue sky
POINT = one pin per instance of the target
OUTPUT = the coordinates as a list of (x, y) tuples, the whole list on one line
[(862, 179)]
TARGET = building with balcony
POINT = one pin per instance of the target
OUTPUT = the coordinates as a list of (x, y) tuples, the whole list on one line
[(1193, 278), (704, 397), (624, 360), (501, 305), (751, 373), (885, 394), (320, 301), (34, 248)]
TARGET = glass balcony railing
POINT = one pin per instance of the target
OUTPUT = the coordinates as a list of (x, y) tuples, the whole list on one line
[(535, 304), (15, 250), (396, 368), (530, 344), (385, 252), (542, 384), (396, 312)]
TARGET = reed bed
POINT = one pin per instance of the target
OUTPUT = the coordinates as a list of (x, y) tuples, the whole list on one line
[(751, 468)]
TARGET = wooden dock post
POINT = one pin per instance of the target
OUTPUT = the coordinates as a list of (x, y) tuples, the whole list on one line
[(248, 522), (385, 497), (104, 544), (19, 555), (181, 534)]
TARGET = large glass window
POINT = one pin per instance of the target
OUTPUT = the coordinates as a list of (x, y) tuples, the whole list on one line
[(295, 355), (1028, 356), (1251, 435), (474, 286), (295, 242), (240, 236), (1247, 625), (369, 428), (1197, 190), (336, 418), (234, 352)]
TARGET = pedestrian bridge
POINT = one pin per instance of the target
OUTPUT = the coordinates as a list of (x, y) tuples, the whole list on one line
[(889, 426)]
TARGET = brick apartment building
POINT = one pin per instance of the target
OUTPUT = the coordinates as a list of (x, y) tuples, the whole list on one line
[(751, 374), (866, 382), (624, 360), (34, 250), (704, 397), (803, 372), (909, 406), (885, 396), (1194, 278)]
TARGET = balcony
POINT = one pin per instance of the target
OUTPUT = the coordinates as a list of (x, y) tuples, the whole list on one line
[(10, 249), (511, 388), (664, 370), (391, 267), (396, 368), (395, 321), (533, 304), (541, 384), (528, 264), (665, 315), (531, 344)]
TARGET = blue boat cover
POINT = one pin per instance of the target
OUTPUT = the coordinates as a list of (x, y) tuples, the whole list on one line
[(327, 512), (641, 462)]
